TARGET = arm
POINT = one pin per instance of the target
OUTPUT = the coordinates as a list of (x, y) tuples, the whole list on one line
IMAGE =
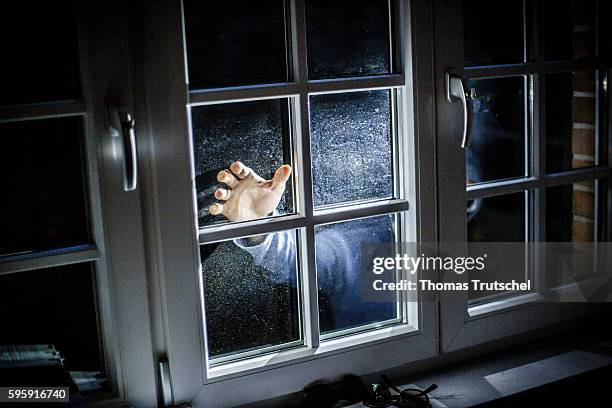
[(251, 197), (275, 253)]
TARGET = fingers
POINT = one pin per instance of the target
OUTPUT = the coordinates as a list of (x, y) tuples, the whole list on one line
[(222, 194), (281, 175), (216, 209), (226, 177), (239, 169)]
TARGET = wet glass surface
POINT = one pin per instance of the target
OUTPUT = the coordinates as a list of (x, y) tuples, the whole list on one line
[(498, 130), (43, 181), (570, 121), (53, 306), (569, 28), (351, 147), (250, 291), (255, 133), (493, 32), (338, 250), (39, 52), (570, 212), (347, 38), (235, 43)]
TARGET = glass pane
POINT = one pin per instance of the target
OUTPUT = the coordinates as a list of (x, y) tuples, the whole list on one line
[(39, 51), (250, 287), (347, 38), (53, 308), (571, 107), (493, 32), (569, 28), (339, 267), (570, 212), (255, 133), (498, 130), (498, 219), (42, 178), (351, 147), (235, 43)]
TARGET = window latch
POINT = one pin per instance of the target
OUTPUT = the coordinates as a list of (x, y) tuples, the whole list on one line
[(122, 127), (456, 92)]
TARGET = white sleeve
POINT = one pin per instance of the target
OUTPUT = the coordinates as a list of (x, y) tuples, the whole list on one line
[(276, 254)]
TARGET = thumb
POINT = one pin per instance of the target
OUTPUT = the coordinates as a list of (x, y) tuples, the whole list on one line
[(281, 175)]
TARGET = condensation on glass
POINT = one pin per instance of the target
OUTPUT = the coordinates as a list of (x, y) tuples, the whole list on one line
[(42, 174), (571, 120), (493, 32), (236, 43), (42, 65), (569, 28), (570, 212), (351, 147), (56, 307), (256, 133), (339, 263), (498, 130), (251, 293), (498, 219), (348, 38)]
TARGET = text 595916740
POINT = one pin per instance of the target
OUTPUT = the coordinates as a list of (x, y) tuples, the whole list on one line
[(34, 394)]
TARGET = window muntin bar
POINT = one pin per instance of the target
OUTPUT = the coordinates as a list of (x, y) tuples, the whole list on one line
[(42, 111), (47, 259)]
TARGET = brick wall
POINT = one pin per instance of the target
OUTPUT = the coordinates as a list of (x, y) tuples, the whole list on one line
[(584, 124)]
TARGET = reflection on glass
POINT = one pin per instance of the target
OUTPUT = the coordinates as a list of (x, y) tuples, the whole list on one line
[(569, 28), (339, 267), (493, 32), (498, 130), (255, 133), (570, 121), (570, 212), (498, 219), (347, 38), (235, 43), (39, 45), (351, 147), (42, 178), (54, 306), (570, 217), (250, 288)]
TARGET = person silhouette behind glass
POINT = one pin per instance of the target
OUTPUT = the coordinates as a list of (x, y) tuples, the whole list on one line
[(337, 247)]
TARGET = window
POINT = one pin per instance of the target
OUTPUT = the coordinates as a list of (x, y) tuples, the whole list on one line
[(537, 167), (344, 144), (532, 129), (71, 250), (48, 258), (330, 100)]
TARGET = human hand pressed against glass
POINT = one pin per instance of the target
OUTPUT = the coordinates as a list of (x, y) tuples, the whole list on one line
[(251, 196)]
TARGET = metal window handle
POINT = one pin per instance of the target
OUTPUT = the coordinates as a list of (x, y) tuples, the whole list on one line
[(454, 92), (122, 126)]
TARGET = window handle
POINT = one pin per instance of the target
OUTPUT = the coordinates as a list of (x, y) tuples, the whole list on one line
[(122, 126), (456, 92)]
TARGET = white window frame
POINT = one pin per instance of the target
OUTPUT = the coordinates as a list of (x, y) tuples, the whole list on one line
[(178, 239), (462, 324)]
